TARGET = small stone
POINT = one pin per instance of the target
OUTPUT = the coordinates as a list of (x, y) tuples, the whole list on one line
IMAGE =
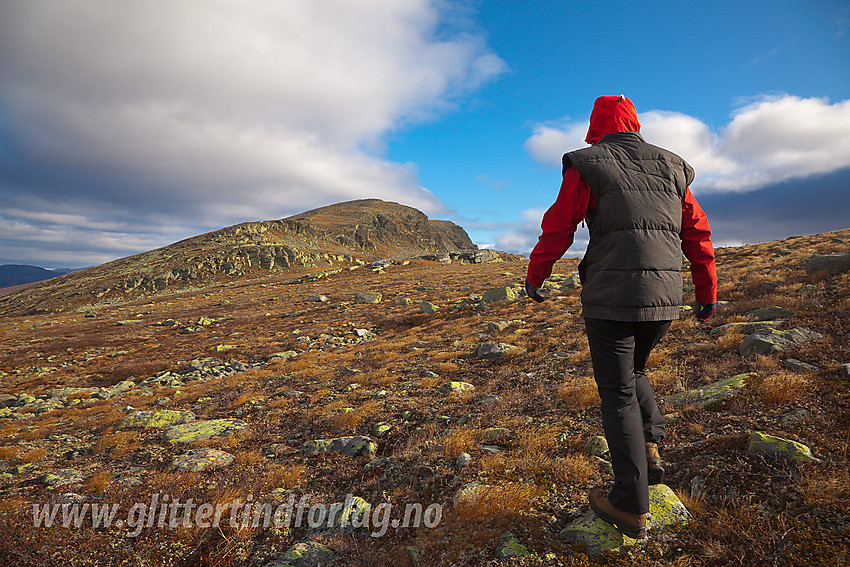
[(495, 350), (62, 477), (502, 293), (405, 301), (351, 446), (510, 546), (454, 387), (426, 307), (489, 399), (381, 429), (463, 460), (498, 434), (319, 299), (697, 487), (598, 446), (305, 554), (795, 416), (795, 365), (367, 297), (844, 370)]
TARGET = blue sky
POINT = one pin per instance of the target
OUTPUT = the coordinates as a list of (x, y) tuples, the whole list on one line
[(128, 126)]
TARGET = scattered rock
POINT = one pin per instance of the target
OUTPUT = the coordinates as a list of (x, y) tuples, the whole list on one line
[(426, 307), (351, 446), (381, 429), (599, 536), (715, 393), (795, 416), (795, 365), (844, 370), (495, 350), (697, 487), (367, 297), (454, 387), (62, 477), (510, 546), (319, 299), (769, 445), (498, 434), (463, 460), (769, 341), (598, 446), (833, 263), (502, 293), (162, 418), (305, 554), (746, 327), (201, 430), (202, 459)]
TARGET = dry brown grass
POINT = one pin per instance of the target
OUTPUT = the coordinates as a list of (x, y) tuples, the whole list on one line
[(286, 476), (9, 453), (352, 419), (782, 388), (729, 340), (579, 391), (461, 440), (119, 443), (825, 487), (33, 456), (99, 482), (497, 502)]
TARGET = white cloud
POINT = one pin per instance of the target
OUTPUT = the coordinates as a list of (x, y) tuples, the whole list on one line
[(770, 140), (222, 112)]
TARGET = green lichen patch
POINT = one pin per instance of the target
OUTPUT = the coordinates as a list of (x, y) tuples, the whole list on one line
[(764, 444), (351, 446), (712, 394), (201, 430)]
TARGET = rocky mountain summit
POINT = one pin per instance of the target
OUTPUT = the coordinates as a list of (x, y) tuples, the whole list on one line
[(343, 235)]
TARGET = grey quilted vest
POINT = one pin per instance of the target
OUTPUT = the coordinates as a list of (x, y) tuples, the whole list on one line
[(632, 268)]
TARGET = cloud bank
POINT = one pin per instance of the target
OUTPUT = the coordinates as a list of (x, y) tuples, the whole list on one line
[(771, 140), (127, 124), (773, 150)]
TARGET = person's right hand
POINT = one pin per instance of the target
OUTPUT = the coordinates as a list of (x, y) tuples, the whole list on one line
[(705, 310), (532, 292)]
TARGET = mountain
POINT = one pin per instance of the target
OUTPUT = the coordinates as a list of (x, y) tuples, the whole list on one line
[(340, 235), (16, 274)]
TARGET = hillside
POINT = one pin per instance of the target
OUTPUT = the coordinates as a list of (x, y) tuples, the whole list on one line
[(341, 235), (119, 402)]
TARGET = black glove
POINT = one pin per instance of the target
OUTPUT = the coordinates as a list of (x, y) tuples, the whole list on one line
[(531, 290), (705, 310)]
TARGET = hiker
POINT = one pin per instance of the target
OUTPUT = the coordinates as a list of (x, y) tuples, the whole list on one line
[(641, 216)]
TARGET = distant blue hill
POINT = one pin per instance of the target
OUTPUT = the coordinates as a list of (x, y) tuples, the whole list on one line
[(14, 274)]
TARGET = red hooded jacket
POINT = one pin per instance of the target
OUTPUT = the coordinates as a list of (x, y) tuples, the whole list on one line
[(617, 114)]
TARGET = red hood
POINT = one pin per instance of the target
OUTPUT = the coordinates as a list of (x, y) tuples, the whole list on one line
[(611, 114)]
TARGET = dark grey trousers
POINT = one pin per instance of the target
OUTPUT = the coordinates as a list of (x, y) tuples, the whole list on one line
[(630, 416)]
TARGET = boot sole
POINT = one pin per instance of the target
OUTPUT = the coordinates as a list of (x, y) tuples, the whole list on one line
[(633, 532)]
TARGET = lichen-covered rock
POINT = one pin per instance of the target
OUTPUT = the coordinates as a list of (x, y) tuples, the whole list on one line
[(769, 445), (769, 341), (162, 418), (354, 446), (598, 446), (501, 293), (306, 554), (598, 535), (202, 459), (715, 393), (745, 327), (455, 387), (426, 307), (833, 263), (498, 434), (367, 297), (510, 546), (62, 477), (495, 350), (201, 430)]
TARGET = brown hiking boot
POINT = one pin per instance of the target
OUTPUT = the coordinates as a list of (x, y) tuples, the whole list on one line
[(632, 525), (654, 466)]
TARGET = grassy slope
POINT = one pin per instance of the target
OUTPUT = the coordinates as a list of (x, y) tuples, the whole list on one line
[(755, 511)]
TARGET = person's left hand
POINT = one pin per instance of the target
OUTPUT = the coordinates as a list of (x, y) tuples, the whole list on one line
[(532, 292)]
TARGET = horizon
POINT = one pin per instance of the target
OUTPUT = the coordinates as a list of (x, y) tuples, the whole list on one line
[(111, 145)]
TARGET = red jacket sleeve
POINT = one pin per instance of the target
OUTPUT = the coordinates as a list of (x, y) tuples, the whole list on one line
[(696, 244), (559, 225)]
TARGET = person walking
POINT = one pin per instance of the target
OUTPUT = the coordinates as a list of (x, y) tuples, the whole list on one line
[(641, 215)]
